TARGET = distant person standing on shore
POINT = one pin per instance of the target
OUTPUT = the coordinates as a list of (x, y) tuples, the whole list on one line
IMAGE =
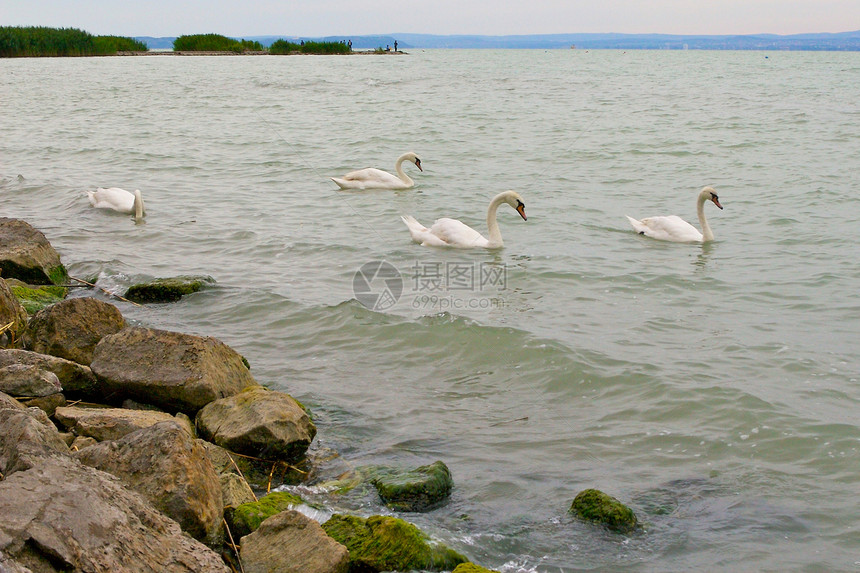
[(395, 45)]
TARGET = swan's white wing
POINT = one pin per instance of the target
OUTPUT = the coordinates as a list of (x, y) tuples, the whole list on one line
[(421, 234), (668, 228), (112, 198), (370, 178), (455, 233)]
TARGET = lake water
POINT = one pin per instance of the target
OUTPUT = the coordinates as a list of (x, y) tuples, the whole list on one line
[(714, 388)]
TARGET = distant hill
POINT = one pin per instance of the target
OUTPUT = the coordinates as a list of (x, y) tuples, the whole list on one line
[(845, 41)]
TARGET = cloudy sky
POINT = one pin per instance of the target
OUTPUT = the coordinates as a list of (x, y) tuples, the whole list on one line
[(485, 17)]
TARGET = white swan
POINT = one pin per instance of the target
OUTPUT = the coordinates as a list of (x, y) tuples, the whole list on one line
[(453, 233), (372, 178), (673, 228), (119, 200)]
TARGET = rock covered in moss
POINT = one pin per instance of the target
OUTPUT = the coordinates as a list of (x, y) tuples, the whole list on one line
[(595, 506), (382, 543), (258, 422), (72, 328), (247, 517), (36, 297), (26, 254), (419, 489), (167, 289), (472, 568)]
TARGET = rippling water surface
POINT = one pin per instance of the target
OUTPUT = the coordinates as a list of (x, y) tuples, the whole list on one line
[(714, 388)]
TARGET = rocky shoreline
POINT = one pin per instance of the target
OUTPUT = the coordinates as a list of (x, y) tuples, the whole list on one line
[(127, 448)]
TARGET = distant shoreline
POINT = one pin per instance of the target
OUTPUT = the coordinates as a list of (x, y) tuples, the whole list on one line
[(254, 53)]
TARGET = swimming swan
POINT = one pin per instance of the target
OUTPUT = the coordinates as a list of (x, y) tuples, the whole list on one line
[(372, 178), (673, 228), (453, 233), (119, 200)]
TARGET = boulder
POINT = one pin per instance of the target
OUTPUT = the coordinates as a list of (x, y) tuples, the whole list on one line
[(107, 423), (290, 542), (382, 543), (171, 370), (255, 472), (48, 404), (13, 317), (71, 328), (25, 441), (258, 422), (7, 402), (595, 506), (472, 568), (171, 470), (26, 255), (247, 517), (235, 491), (166, 289), (420, 489), (36, 297), (28, 380), (76, 379), (63, 516)]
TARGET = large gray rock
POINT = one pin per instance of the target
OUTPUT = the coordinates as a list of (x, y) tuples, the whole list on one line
[(13, 317), (76, 379), (71, 328), (7, 402), (172, 470), (63, 516), (26, 255), (171, 370), (25, 441), (28, 380), (289, 542), (258, 422), (107, 423)]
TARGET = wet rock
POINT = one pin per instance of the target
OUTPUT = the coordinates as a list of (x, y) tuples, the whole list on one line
[(420, 489), (290, 542), (76, 379), (472, 568), (258, 422), (381, 543), (167, 289), (107, 423), (13, 317), (26, 255), (170, 469), (63, 516), (28, 380), (247, 517), (25, 441), (171, 370), (595, 506), (36, 297), (71, 328)]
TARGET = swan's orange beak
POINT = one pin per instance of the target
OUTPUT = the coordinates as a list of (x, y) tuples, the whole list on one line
[(418, 164), (521, 209), (717, 202)]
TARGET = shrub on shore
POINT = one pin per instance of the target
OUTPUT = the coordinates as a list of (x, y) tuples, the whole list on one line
[(20, 41), (214, 43), (280, 47)]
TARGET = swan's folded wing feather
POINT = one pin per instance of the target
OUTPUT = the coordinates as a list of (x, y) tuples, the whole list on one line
[(670, 228), (455, 233)]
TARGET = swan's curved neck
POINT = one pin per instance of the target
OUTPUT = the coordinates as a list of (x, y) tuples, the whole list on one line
[(707, 234), (400, 173), (495, 234)]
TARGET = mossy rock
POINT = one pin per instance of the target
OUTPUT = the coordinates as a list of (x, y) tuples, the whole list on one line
[(472, 568), (595, 506), (166, 289), (246, 518), (35, 298), (420, 489), (382, 543)]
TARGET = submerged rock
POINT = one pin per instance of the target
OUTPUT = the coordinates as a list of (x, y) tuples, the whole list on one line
[(381, 543), (472, 568), (172, 370), (258, 422), (595, 506), (290, 542), (167, 289), (26, 255), (72, 328), (420, 489)]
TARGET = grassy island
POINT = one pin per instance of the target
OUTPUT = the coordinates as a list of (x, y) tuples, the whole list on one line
[(285, 47), (19, 41), (214, 43)]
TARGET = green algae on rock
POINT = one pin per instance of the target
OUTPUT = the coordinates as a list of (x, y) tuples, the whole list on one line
[(420, 489), (167, 289), (595, 506), (382, 543), (36, 297), (472, 568), (246, 518)]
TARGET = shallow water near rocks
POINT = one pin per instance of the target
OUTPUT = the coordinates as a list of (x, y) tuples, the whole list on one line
[(712, 387)]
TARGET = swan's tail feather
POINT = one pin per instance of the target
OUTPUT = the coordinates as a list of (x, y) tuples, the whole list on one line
[(340, 182), (415, 228)]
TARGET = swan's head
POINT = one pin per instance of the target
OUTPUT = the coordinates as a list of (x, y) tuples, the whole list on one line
[(414, 159), (709, 194), (513, 199)]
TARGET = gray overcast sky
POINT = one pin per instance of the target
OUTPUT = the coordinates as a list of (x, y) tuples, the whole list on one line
[(484, 17)]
